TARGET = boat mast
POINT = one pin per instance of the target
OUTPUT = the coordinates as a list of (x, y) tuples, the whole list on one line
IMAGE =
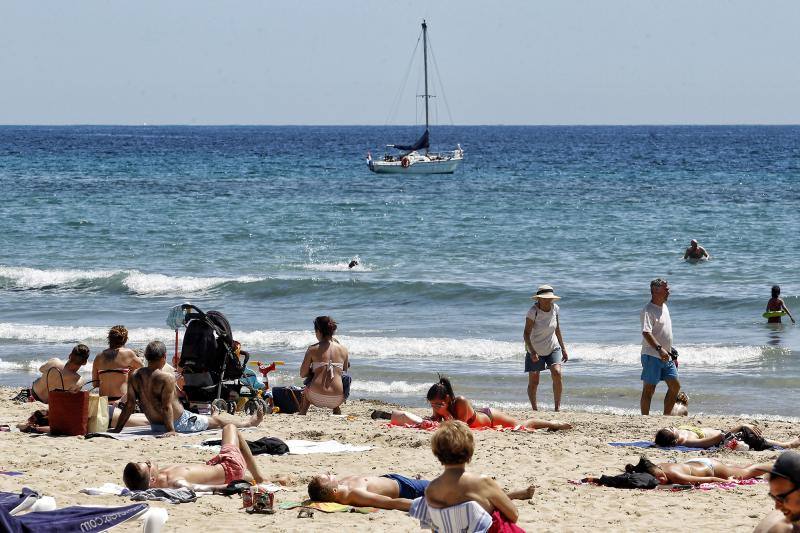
[(425, 56)]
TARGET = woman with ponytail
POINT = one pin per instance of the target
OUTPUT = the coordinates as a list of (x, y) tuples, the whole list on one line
[(447, 406)]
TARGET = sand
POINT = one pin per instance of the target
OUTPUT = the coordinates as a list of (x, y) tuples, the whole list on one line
[(60, 466)]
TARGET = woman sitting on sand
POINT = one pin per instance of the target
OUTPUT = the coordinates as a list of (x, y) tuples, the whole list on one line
[(324, 362), (111, 367), (447, 406), (448, 501), (694, 471)]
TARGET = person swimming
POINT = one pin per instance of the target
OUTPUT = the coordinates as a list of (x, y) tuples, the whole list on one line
[(777, 304)]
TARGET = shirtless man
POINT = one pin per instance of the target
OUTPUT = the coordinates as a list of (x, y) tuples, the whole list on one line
[(155, 390), (390, 491), (695, 251), (694, 437), (234, 461), (784, 489), (111, 366), (69, 370)]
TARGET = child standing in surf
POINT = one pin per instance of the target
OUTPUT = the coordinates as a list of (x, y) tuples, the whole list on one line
[(776, 305)]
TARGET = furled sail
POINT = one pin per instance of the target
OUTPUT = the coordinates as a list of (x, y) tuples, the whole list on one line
[(422, 142)]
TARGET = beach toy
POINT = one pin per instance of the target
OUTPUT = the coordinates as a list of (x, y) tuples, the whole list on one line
[(773, 314)]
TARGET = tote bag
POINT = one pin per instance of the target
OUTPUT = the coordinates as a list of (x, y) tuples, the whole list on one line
[(98, 412), (69, 411)]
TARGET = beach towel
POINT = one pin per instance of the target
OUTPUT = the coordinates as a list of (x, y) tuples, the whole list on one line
[(327, 507), (429, 425), (650, 444), (70, 519), (15, 502), (467, 516), (106, 489), (305, 447), (730, 484), (143, 432), (501, 524), (176, 496)]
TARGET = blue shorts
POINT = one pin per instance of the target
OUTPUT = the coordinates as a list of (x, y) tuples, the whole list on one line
[(410, 489), (545, 361), (655, 370), (186, 423)]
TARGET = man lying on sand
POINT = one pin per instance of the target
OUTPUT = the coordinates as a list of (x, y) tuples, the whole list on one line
[(389, 491), (69, 371), (694, 437), (234, 462), (155, 390)]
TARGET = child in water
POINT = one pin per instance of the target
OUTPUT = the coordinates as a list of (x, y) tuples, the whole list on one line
[(776, 304)]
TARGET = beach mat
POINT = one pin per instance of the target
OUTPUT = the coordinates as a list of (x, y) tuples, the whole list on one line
[(327, 507), (428, 425), (650, 444), (143, 432), (731, 484), (299, 447)]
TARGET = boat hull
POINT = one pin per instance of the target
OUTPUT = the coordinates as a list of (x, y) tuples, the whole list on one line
[(418, 167)]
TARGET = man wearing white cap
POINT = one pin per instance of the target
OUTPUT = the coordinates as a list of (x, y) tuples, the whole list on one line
[(543, 344)]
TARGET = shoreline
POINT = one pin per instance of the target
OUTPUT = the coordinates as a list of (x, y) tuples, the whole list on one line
[(61, 466)]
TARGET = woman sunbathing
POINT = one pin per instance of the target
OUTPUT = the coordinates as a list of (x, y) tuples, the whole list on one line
[(447, 406), (694, 471), (696, 437)]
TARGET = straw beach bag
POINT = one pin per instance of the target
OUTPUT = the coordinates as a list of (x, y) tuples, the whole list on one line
[(98, 412)]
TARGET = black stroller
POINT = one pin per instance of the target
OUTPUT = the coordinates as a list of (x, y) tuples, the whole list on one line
[(211, 365)]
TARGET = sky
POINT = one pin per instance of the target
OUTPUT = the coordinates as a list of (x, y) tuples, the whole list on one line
[(343, 62)]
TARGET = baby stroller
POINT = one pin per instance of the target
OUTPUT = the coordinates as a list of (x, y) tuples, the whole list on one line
[(213, 366)]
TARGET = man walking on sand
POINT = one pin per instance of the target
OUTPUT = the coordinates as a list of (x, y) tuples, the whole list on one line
[(657, 364)]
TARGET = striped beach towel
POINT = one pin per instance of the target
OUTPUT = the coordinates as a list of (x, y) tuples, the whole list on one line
[(467, 517)]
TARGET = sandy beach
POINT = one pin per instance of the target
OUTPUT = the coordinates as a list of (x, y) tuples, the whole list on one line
[(61, 466)]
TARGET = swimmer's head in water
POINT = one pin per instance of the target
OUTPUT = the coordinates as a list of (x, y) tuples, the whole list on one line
[(666, 437), (353, 263), (776, 291), (693, 243)]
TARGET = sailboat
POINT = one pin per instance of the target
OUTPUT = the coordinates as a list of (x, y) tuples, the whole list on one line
[(417, 158)]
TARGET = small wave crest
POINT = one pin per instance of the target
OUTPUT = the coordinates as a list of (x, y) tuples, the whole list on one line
[(342, 266), (133, 281), (16, 367), (394, 387)]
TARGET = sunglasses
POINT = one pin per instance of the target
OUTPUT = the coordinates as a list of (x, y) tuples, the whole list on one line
[(781, 498)]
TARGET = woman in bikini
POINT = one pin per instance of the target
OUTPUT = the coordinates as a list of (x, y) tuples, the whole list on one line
[(324, 362), (111, 367), (694, 471), (447, 406), (697, 437)]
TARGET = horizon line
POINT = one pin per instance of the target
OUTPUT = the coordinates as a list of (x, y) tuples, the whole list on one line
[(290, 125)]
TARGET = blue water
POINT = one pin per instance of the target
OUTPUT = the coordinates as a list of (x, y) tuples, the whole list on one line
[(107, 225)]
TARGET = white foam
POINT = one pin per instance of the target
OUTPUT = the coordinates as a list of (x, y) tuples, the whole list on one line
[(159, 284), (394, 387), (34, 278), (15, 367), (700, 356)]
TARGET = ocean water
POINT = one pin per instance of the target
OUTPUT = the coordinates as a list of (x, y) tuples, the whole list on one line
[(108, 225)]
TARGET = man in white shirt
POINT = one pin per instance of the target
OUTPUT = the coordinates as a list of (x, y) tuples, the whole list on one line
[(657, 365)]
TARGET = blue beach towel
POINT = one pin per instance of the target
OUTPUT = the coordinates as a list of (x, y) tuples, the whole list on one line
[(11, 500), (70, 519), (650, 444)]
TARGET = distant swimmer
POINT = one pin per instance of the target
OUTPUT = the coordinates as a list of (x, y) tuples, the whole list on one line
[(695, 251), (776, 306), (353, 263)]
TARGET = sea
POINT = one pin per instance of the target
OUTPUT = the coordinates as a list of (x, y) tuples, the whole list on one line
[(118, 224)]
